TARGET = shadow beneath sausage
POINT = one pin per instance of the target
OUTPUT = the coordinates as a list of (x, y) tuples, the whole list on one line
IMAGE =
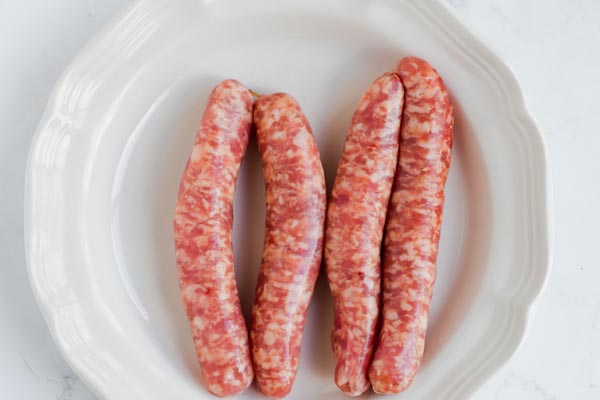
[(316, 349), (143, 222), (474, 249), (346, 90), (331, 128), (249, 226)]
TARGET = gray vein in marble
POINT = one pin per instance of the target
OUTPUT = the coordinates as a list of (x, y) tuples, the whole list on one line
[(459, 3), (66, 385), (596, 320), (573, 297), (531, 384), (29, 367), (509, 22), (527, 385), (565, 124)]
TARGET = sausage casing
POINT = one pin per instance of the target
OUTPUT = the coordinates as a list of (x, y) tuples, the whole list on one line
[(203, 245), (413, 226), (354, 230), (296, 201)]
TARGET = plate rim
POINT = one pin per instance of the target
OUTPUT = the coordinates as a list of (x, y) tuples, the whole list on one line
[(524, 122)]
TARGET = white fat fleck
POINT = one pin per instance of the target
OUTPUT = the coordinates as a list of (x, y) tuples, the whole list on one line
[(436, 127), (199, 323), (228, 376), (418, 109), (273, 326), (214, 387), (359, 127), (276, 115), (391, 315), (279, 135), (269, 338), (196, 155), (301, 140)]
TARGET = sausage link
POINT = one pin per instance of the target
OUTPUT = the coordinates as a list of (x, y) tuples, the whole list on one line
[(203, 244), (413, 226), (296, 201), (354, 230)]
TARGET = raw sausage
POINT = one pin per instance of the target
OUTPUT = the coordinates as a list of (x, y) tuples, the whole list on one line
[(354, 229), (203, 245), (413, 226), (296, 201)]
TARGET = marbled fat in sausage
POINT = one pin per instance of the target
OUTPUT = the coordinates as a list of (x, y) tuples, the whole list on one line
[(413, 226), (354, 229), (203, 244), (296, 201)]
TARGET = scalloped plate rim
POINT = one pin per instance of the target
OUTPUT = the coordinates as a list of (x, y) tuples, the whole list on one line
[(524, 311)]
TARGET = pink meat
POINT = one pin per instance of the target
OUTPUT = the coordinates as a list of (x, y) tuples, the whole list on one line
[(354, 230), (296, 200), (203, 228), (413, 226)]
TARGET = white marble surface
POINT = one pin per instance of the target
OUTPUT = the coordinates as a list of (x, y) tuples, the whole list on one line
[(553, 47)]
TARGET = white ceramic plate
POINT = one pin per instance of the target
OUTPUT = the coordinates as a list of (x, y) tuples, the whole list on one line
[(105, 164)]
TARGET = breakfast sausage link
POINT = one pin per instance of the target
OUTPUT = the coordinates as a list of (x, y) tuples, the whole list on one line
[(354, 229), (413, 226), (203, 245), (296, 200)]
